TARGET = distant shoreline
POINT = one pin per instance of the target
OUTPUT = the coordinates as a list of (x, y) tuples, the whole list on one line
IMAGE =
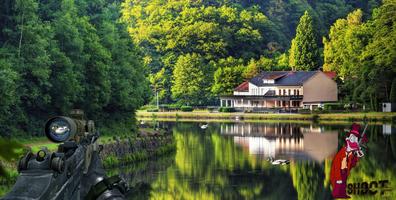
[(205, 115)]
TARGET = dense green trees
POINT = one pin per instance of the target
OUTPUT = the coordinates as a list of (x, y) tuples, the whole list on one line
[(169, 31), (228, 75), (256, 32), (59, 55), (304, 51), (393, 92), (363, 54), (345, 44), (190, 83)]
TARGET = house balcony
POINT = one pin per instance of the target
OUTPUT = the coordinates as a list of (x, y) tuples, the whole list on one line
[(249, 102)]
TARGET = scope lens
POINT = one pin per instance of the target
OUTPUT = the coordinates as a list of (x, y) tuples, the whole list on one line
[(58, 130)]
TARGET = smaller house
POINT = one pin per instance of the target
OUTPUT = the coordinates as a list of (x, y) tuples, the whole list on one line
[(283, 90)]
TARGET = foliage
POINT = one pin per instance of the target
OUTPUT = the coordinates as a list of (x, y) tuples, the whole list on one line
[(160, 83), (249, 36), (227, 76), (191, 80), (8, 87), (59, 55), (173, 33), (226, 79), (9, 151), (345, 33), (226, 109), (393, 92), (363, 53), (333, 106), (186, 108), (304, 52)]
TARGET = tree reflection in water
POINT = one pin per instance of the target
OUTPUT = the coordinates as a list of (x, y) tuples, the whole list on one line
[(218, 163), (222, 163), (211, 166)]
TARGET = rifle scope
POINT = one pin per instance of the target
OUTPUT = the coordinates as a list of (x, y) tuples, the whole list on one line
[(60, 129)]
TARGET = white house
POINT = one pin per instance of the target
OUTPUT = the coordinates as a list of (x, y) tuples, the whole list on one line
[(283, 90)]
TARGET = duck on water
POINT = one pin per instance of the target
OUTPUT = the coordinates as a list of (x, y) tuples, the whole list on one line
[(278, 161), (204, 126)]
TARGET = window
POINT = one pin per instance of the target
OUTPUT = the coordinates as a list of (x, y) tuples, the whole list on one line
[(289, 92), (280, 92), (298, 92), (284, 92)]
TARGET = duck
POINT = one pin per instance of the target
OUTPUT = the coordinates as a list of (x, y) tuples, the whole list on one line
[(278, 162), (204, 126)]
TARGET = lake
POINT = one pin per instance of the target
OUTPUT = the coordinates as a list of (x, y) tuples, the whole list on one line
[(230, 161)]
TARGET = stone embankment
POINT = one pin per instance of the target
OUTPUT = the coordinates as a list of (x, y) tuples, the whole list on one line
[(129, 150)]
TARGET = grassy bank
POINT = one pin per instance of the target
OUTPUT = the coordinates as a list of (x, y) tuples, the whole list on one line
[(371, 116), (112, 160)]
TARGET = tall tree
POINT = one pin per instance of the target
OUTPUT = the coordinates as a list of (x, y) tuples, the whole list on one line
[(8, 94), (227, 76), (363, 54), (66, 53), (190, 80), (393, 92), (345, 44), (379, 56), (304, 54), (97, 86), (31, 38)]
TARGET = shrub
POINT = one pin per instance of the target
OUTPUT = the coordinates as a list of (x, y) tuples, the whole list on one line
[(304, 111), (211, 108), (319, 110), (333, 106), (174, 107), (148, 107), (226, 109), (153, 110), (186, 108)]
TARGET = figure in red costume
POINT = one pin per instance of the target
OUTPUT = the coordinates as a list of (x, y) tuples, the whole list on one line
[(346, 158)]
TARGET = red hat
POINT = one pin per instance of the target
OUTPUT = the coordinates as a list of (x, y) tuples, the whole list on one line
[(355, 130)]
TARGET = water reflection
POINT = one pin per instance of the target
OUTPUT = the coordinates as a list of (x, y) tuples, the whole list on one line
[(388, 129), (286, 141), (226, 161)]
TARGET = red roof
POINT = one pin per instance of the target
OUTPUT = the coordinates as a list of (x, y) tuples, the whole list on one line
[(331, 75), (244, 87)]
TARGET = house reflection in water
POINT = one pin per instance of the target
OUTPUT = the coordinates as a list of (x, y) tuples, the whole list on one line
[(287, 141), (388, 129)]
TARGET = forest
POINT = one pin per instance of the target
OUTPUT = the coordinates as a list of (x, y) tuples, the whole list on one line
[(59, 55), (109, 57), (198, 50)]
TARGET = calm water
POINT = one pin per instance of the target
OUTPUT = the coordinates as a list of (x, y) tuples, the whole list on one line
[(229, 161)]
